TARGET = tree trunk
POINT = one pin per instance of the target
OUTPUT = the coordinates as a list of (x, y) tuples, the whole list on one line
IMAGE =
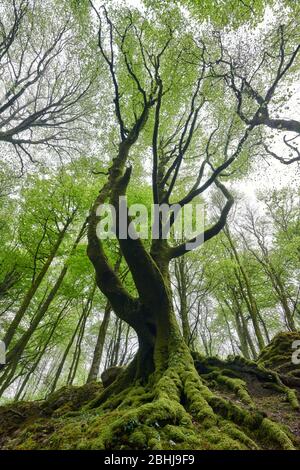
[(65, 355), (97, 356), (34, 287), (98, 351), (15, 353), (32, 369), (77, 353), (181, 277)]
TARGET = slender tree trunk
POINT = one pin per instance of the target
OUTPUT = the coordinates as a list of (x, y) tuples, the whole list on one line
[(282, 297), (115, 343), (251, 306), (249, 298), (23, 341), (231, 339), (125, 351), (97, 357), (40, 356), (181, 277), (272, 273), (34, 287), (65, 355), (77, 353)]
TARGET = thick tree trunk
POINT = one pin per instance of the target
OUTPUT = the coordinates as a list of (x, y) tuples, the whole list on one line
[(161, 385)]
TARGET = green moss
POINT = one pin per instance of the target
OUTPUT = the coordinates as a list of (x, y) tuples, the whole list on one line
[(155, 444), (274, 432), (279, 351), (240, 436), (238, 386), (198, 406), (138, 439), (292, 398), (176, 409)]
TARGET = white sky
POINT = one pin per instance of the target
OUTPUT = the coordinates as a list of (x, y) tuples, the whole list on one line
[(270, 174)]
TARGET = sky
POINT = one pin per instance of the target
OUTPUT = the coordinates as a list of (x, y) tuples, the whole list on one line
[(268, 174)]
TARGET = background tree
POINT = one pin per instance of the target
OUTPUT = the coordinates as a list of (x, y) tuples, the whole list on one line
[(170, 133), (45, 98)]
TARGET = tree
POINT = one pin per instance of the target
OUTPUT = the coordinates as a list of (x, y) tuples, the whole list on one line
[(44, 95), (171, 120), (163, 356), (273, 270)]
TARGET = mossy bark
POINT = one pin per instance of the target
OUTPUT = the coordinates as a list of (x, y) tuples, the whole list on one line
[(160, 397), (186, 403)]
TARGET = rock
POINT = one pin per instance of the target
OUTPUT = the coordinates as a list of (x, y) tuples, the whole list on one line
[(282, 354), (71, 398), (110, 375)]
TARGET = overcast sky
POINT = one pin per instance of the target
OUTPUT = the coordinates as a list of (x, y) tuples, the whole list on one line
[(270, 174)]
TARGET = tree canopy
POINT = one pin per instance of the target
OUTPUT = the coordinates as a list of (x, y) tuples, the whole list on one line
[(153, 109)]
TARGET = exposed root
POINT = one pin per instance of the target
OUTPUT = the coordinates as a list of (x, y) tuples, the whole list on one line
[(178, 409), (222, 372)]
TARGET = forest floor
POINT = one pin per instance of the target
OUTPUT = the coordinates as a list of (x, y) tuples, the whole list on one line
[(269, 388)]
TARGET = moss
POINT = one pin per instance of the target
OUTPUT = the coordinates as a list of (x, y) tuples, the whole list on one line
[(71, 397), (238, 386), (279, 351), (155, 444), (198, 406), (240, 436), (274, 432), (138, 439), (238, 415), (222, 441), (175, 409), (292, 398)]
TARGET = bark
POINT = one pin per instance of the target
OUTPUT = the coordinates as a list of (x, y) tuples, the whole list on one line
[(275, 278), (116, 343), (21, 344), (122, 360), (65, 354), (34, 287), (97, 356), (181, 276), (247, 293), (76, 356), (33, 368)]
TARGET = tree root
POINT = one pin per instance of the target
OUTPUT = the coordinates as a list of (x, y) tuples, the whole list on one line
[(176, 409), (222, 370)]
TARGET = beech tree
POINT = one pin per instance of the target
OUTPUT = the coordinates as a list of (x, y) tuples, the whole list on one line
[(163, 357), (188, 110), (43, 93)]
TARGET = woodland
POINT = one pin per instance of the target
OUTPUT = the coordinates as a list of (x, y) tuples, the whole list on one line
[(145, 344)]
